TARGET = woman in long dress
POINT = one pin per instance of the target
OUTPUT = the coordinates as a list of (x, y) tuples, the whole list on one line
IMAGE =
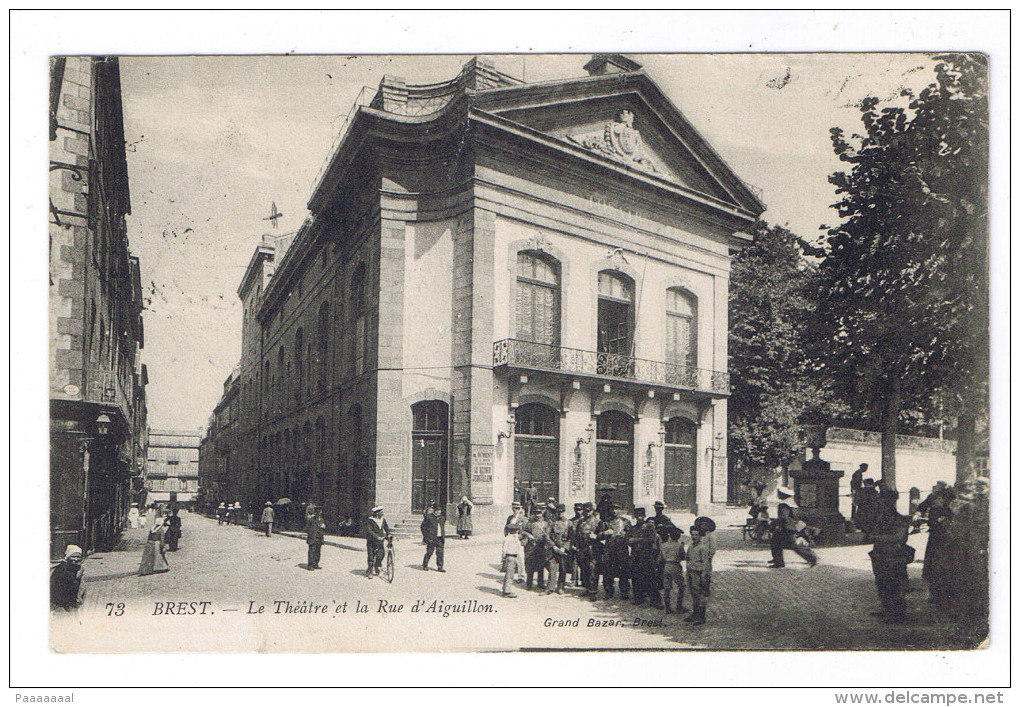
[(153, 556), (464, 517)]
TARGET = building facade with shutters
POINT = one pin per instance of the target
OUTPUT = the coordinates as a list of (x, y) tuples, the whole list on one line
[(171, 472), (503, 290), (97, 381)]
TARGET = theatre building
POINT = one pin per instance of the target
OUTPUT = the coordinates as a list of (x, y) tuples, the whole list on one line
[(503, 289)]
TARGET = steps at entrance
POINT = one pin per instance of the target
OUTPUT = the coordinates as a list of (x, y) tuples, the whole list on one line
[(407, 529)]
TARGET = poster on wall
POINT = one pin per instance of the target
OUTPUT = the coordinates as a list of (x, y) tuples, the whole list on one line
[(719, 480), (481, 473), (577, 474)]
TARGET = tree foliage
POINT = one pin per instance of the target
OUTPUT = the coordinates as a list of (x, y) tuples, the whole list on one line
[(903, 288), (773, 380)]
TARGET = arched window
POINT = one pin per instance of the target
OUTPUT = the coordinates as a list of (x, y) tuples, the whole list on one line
[(681, 328), (358, 312), (681, 432), (536, 420), (320, 467), (430, 416), (323, 340), (267, 385), (538, 298), (615, 426), (281, 375)]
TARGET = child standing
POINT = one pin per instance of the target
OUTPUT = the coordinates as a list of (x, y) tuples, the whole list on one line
[(699, 575), (513, 553), (671, 554)]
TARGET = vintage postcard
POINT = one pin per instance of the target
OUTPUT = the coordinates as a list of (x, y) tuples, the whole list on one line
[(390, 353)]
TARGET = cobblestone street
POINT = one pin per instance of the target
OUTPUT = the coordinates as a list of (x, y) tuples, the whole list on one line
[(237, 570)]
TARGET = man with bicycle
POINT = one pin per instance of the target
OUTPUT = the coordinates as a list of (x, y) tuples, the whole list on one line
[(377, 534)]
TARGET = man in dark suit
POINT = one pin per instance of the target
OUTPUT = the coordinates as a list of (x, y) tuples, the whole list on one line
[(314, 533), (433, 534)]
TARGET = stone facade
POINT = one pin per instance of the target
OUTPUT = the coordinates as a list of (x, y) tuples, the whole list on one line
[(524, 287), (97, 383)]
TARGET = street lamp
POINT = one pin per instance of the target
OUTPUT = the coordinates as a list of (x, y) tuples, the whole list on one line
[(508, 432), (103, 425), (662, 439), (590, 429)]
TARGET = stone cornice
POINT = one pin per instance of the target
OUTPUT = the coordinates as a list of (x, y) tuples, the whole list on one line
[(290, 266), (262, 252)]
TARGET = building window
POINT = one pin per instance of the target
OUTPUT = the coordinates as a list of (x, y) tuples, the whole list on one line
[(299, 364), (538, 299), (681, 328), (281, 379), (323, 343), (536, 420), (430, 416), (358, 310), (616, 313)]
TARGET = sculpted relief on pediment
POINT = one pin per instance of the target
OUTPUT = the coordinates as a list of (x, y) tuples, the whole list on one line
[(619, 140)]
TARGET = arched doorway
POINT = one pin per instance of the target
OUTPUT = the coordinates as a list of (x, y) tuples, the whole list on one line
[(680, 465), (429, 458), (537, 451), (614, 457)]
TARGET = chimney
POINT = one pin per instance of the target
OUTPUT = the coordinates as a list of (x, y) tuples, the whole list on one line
[(602, 64)]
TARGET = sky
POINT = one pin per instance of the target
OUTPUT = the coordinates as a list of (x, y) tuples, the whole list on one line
[(213, 141)]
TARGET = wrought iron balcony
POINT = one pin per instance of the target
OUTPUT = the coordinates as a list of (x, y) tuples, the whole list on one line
[(513, 353)]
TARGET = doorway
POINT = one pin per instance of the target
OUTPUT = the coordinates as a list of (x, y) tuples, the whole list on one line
[(614, 456), (537, 451), (429, 454), (680, 469)]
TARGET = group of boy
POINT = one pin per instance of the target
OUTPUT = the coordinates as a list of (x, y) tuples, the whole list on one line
[(643, 557)]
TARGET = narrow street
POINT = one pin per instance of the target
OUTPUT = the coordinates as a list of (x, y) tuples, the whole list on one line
[(246, 581)]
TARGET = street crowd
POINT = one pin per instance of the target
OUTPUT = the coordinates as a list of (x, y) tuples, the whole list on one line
[(643, 558)]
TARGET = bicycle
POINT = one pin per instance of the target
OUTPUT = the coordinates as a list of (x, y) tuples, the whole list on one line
[(389, 561)]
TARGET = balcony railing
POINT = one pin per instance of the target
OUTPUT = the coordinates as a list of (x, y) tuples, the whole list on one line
[(544, 357)]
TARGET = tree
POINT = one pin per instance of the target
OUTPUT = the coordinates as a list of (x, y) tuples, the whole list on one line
[(773, 381), (903, 288)]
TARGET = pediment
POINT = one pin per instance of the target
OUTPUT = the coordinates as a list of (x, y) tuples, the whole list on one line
[(629, 127)]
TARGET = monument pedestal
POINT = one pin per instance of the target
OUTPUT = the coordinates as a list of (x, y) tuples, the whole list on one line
[(816, 489)]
